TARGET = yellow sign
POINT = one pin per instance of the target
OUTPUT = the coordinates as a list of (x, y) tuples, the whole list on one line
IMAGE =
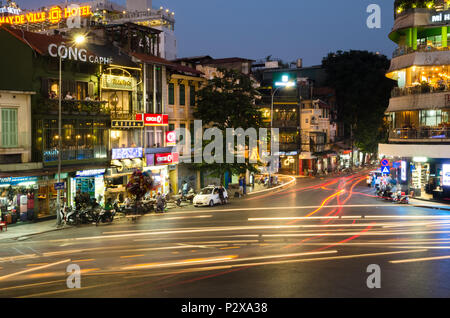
[(54, 15)]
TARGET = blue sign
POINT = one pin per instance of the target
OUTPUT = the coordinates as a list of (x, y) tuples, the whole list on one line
[(385, 162), (17, 180), (126, 153), (59, 186), (385, 170), (90, 173)]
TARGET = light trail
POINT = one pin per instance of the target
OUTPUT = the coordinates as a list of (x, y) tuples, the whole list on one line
[(34, 269), (423, 259)]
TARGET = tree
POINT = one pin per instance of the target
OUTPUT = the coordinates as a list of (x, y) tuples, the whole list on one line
[(362, 94), (228, 101)]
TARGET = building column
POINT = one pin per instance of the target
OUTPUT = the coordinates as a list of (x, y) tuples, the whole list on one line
[(414, 38), (409, 37), (444, 36)]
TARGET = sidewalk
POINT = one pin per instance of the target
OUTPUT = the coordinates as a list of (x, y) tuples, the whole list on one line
[(429, 204), (25, 230)]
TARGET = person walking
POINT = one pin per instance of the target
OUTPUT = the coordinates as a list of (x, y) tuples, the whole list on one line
[(241, 186), (221, 196)]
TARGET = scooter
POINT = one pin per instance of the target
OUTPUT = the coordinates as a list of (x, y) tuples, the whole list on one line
[(105, 217), (161, 206), (401, 197), (70, 216)]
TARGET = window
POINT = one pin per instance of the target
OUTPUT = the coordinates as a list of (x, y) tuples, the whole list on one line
[(9, 127), (171, 94), (171, 127), (182, 94), (192, 95)]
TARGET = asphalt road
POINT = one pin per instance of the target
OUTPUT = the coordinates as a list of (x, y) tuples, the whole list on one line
[(313, 239)]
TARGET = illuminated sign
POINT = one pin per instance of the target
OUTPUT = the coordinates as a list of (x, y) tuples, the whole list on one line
[(127, 124), (117, 82), (54, 15), (284, 80), (126, 153), (166, 158), (10, 10), (76, 54), (446, 175), (90, 173), (403, 171), (171, 138), (153, 119), (420, 159), (17, 180), (440, 17)]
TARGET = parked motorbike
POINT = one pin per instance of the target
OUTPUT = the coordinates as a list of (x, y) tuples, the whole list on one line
[(70, 216), (86, 214), (401, 197), (105, 216), (161, 205)]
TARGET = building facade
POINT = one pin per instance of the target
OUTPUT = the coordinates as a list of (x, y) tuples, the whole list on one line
[(419, 109)]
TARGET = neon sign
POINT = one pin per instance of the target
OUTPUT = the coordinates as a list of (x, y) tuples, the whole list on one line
[(54, 15)]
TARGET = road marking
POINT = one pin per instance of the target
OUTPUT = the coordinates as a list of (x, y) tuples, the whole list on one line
[(83, 260), (131, 256), (31, 265), (423, 259), (34, 269)]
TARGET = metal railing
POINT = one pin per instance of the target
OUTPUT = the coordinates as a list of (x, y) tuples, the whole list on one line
[(420, 133), (420, 89), (404, 50), (73, 106)]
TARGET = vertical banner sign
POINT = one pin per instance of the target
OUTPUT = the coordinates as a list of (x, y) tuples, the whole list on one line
[(446, 175), (171, 138), (403, 171)]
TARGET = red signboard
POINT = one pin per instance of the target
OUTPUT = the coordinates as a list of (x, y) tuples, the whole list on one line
[(153, 119), (166, 158), (171, 138)]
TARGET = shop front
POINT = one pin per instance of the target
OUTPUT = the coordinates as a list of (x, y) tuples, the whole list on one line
[(289, 163), (88, 181), (163, 169), (124, 162), (17, 198)]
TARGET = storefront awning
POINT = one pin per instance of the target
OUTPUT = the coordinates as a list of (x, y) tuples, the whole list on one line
[(409, 151)]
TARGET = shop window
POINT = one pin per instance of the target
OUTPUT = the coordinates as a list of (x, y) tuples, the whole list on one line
[(171, 94), (182, 95), (9, 127)]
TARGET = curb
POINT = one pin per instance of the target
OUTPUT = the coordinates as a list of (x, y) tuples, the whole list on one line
[(434, 207)]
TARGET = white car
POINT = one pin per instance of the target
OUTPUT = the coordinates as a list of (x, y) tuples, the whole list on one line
[(209, 196)]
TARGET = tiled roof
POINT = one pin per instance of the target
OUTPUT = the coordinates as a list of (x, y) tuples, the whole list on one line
[(228, 60), (151, 59), (38, 42)]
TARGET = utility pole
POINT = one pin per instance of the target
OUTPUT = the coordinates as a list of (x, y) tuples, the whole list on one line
[(58, 196)]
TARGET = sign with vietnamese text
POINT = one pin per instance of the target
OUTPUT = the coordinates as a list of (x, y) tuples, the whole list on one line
[(76, 54), (446, 175), (127, 124), (117, 82)]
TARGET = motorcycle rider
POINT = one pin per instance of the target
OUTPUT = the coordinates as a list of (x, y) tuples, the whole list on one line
[(221, 197), (159, 202), (108, 208)]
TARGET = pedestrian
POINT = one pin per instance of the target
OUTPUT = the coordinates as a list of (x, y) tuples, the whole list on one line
[(221, 197), (244, 185), (185, 188), (241, 185), (373, 181)]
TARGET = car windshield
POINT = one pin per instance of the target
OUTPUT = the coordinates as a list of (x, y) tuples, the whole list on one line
[(206, 191)]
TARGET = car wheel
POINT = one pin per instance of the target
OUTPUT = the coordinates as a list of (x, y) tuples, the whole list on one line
[(211, 203)]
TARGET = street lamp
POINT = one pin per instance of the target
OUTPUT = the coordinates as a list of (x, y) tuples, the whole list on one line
[(79, 39), (284, 83)]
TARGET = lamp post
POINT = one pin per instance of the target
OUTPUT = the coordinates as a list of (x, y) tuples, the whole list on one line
[(285, 83), (79, 39)]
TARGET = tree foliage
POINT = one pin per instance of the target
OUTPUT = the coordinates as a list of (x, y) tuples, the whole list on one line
[(228, 101), (362, 94)]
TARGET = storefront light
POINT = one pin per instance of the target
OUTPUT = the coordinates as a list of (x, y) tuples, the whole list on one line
[(420, 159)]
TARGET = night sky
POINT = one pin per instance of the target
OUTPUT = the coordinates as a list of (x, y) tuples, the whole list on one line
[(286, 29)]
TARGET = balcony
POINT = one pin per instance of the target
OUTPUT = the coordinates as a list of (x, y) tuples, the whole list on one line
[(73, 106), (420, 89), (426, 134), (404, 50)]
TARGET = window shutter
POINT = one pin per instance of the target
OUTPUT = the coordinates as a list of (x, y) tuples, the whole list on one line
[(9, 127), (44, 87)]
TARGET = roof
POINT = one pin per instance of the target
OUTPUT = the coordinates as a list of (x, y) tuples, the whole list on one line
[(228, 60), (38, 42), (151, 59)]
